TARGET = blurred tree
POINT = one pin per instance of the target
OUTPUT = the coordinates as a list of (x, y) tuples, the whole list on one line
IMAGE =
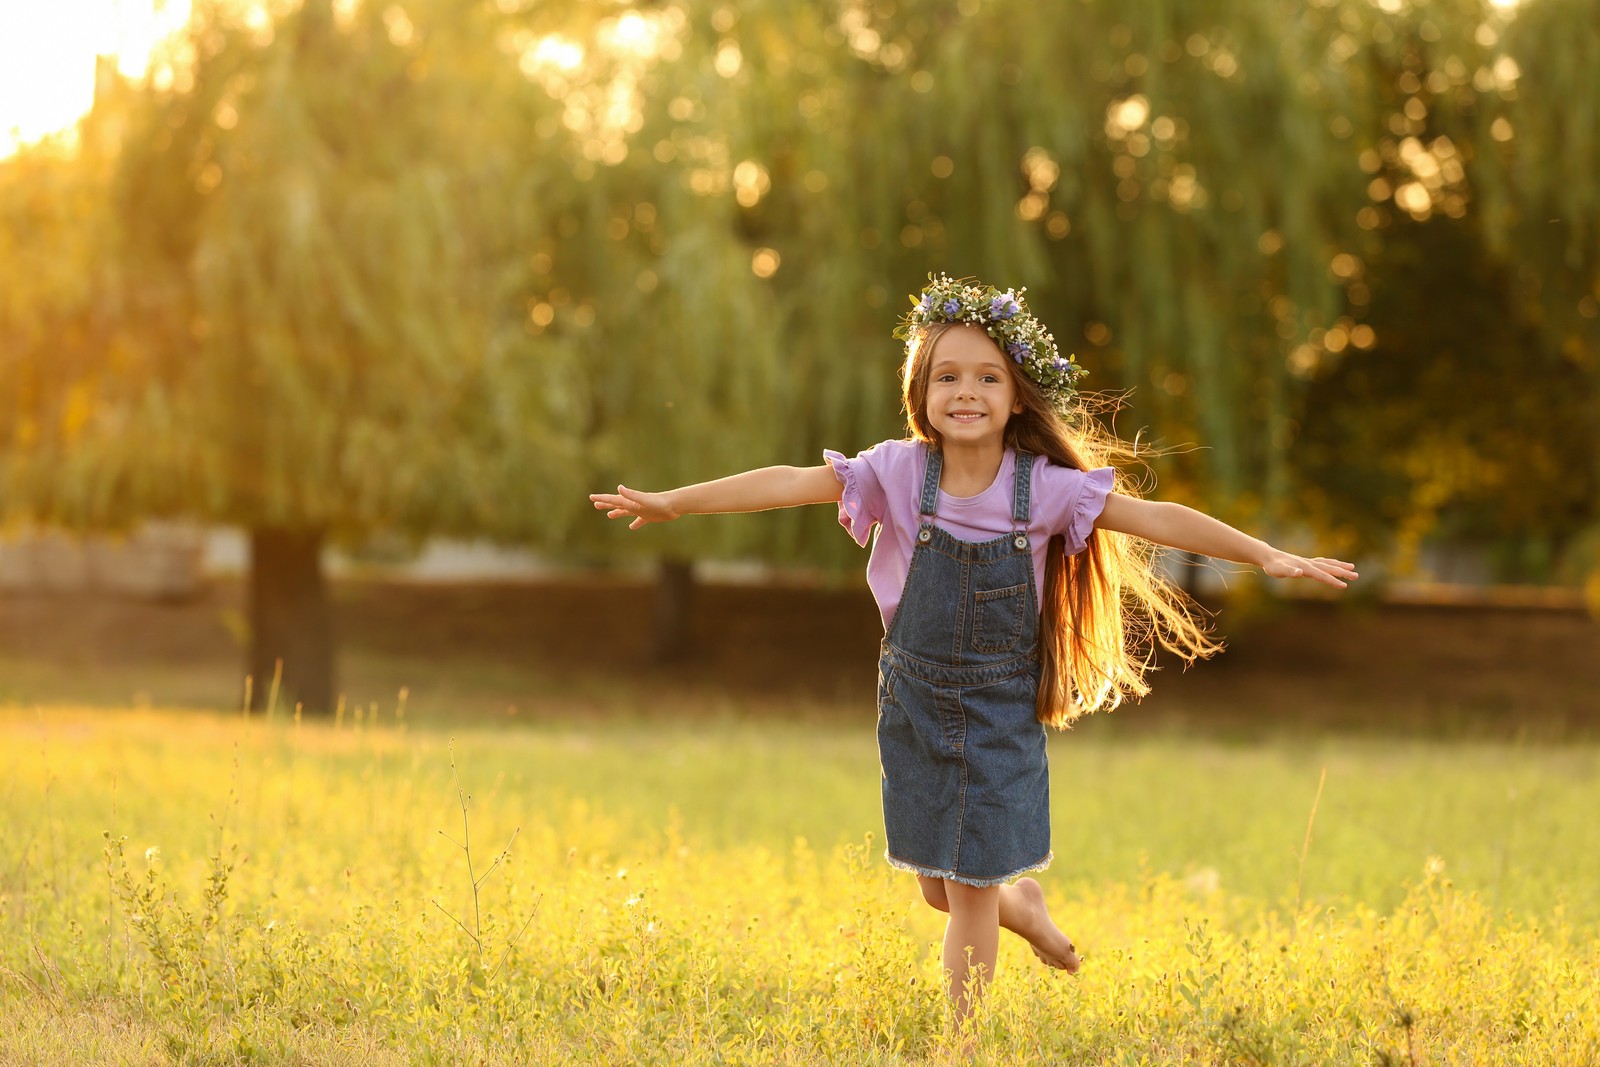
[(1542, 210), (1171, 180), (1453, 425), (1201, 197), (307, 338), (58, 318), (441, 265), (1462, 406)]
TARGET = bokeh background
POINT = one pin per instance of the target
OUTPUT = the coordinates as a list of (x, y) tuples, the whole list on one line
[(336, 727), (318, 324)]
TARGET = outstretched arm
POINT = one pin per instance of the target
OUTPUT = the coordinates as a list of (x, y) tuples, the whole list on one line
[(1177, 526), (757, 490)]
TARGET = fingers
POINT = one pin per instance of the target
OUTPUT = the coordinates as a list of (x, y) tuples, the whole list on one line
[(616, 507), (1334, 572), (623, 497), (1327, 576), (626, 503), (1337, 566)]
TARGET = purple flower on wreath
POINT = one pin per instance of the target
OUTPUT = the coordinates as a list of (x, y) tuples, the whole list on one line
[(927, 303), (1019, 350), (1003, 306), (952, 307)]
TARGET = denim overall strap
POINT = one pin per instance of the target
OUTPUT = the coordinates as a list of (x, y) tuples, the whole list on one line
[(929, 502), (1022, 502)]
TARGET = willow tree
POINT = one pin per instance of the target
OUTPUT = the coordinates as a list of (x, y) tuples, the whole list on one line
[(1541, 85), (1200, 197), (647, 275), (56, 324), (1543, 206), (1171, 181), (309, 342), (1460, 412)]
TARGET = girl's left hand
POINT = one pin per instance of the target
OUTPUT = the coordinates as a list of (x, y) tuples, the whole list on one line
[(1334, 572)]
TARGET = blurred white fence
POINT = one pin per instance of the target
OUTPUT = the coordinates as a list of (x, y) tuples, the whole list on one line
[(157, 561), (174, 560)]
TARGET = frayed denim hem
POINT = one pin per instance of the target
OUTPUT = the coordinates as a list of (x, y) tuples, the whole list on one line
[(965, 879)]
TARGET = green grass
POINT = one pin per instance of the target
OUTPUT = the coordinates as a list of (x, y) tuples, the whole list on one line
[(188, 887)]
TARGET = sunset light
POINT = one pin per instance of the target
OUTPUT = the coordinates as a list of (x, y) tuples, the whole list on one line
[(47, 58), (641, 441)]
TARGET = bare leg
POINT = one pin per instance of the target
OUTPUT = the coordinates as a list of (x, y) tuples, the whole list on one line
[(933, 892), (1023, 912), (971, 943)]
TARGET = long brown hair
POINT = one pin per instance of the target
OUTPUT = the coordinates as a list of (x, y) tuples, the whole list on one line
[(1105, 608)]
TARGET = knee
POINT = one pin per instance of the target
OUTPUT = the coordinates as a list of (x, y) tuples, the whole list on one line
[(971, 899), (933, 892)]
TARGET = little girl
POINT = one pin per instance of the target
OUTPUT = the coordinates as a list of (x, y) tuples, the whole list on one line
[(1003, 565)]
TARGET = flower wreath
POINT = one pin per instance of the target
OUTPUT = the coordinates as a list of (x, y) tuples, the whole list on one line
[(1005, 318)]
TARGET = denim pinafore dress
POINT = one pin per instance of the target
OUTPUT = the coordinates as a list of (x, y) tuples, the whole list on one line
[(966, 781)]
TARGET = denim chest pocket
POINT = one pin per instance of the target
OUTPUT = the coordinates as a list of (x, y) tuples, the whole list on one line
[(997, 618)]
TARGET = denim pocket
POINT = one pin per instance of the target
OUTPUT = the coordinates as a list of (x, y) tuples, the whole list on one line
[(997, 618)]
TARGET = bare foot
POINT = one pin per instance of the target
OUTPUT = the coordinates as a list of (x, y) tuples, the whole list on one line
[(1029, 918)]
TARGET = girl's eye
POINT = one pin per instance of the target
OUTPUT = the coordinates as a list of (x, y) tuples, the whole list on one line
[(946, 378), (990, 379)]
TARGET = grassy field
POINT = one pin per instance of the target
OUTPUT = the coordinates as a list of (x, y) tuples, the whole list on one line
[(180, 886)]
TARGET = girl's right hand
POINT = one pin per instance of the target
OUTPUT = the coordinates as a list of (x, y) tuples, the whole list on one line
[(642, 508)]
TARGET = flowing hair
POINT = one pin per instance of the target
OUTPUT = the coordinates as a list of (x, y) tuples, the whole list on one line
[(1105, 608)]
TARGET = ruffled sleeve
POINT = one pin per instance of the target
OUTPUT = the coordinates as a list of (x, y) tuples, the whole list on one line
[(1095, 486), (861, 505)]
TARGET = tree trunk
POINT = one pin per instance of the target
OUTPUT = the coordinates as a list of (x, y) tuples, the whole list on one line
[(674, 636), (290, 620)]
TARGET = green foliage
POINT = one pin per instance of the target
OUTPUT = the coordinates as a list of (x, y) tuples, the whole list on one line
[(718, 897), (1544, 205), (303, 329), (395, 271), (1128, 187), (58, 329), (1435, 432)]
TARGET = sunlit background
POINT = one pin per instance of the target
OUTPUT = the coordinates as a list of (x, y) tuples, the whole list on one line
[(47, 57), (319, 320), (1316, 250)]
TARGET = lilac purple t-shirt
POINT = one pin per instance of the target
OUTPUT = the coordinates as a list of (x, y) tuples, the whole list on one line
[(882, 487)]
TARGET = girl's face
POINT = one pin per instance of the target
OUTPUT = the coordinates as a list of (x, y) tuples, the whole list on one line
[(971, 395)]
